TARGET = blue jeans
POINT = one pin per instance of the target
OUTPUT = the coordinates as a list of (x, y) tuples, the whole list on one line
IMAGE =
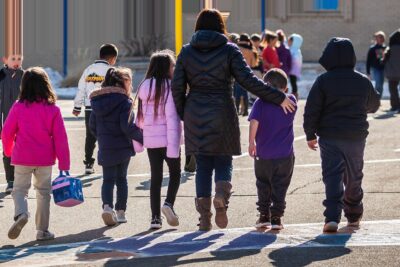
[(342, 174), (115, 175), (204, 171), (378, 76)]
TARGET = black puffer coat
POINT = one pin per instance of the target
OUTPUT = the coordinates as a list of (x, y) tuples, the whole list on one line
[(208, 65)]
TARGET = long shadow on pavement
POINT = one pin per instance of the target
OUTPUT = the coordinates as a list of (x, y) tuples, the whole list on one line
[(63, 243), (247, 244), (146, 184), (386, 115), (134, 243), (314, 250), (74, 118)]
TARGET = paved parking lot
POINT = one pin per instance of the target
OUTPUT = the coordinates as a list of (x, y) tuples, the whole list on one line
[(83, 223)]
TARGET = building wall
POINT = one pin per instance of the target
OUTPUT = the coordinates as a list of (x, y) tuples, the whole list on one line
[(127, 23), (2, 30), (42, 33), (363, 18), (90, 24)]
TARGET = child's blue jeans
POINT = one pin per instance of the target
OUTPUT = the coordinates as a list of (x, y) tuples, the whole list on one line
[(115, 175)]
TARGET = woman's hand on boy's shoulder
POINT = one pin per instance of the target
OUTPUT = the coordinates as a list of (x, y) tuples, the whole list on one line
[(288, 105)]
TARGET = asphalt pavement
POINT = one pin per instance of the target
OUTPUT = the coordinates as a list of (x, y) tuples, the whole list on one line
[(79, 227)]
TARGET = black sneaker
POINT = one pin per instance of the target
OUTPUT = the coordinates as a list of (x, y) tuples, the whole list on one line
[(156, 222), (276, 223), (263, 221), (88, 167), (9, 188)]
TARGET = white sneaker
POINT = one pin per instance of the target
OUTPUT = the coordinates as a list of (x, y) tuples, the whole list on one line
[(331, 227), (44, 236), (108, 216), (121, 216), (16, 228), (169, 213)]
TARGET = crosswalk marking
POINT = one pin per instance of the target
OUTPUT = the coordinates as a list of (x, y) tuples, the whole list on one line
[(164, 243)]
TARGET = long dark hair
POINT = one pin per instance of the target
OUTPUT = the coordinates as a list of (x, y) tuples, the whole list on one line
[(36, 87), (158, 71), (210, 19)]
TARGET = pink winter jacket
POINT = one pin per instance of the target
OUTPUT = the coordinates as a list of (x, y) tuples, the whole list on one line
[(34, 135), (166, 129)]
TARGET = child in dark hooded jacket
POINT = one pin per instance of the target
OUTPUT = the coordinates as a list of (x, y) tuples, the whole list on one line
[(112, 122), (336, 112)]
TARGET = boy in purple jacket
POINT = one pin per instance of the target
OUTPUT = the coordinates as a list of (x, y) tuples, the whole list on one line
[(271, 145)]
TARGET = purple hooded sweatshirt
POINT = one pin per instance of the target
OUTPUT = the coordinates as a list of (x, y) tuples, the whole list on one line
[(285, 58)]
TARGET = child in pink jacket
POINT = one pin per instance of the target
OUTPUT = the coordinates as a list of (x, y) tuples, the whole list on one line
[(162, 134), (34, 136)]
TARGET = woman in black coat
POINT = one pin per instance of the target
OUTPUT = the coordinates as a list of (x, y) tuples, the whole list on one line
[(392, 69), (207, 65)]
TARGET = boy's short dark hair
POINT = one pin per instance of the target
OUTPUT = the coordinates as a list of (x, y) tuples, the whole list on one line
[(277, 78), (108, 51)]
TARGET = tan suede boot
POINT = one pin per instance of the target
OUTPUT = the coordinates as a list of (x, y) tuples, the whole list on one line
[(221, 201), (203, 206)]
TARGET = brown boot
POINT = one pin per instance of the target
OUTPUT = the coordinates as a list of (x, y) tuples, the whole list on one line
[(221, 201), (203, 206)]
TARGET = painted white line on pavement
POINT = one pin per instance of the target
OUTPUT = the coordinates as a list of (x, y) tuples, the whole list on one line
[(299, 138), (142, 175), (241, 156), (75, 129), (397, 150), (319, 164), (228, 240), (246, 153)]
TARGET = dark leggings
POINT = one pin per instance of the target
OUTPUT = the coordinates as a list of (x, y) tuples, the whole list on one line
[(90, 142), (293, 83), (8, 168), (394, 94), (156, 158)]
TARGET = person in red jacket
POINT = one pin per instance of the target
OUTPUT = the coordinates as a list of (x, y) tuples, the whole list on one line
[(269, 54)]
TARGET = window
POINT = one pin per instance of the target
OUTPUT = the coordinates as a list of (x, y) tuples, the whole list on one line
[(315, 6), (326, 5)]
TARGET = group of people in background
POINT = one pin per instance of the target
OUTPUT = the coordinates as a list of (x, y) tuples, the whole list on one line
[(383, 61), (189, 101), (264, 52)]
